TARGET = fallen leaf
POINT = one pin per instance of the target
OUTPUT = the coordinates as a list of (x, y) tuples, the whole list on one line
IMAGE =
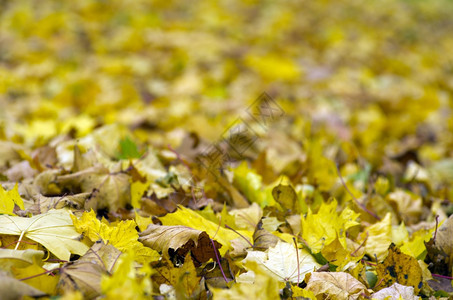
[(247, 218), (440, 250), (322, 228), (183, 278), (286, 196), (283, 262), (123, 235), (9, 199), (127, 282), (378, 238), (85, 274), (54, 230), (263, 287), (263, 239), (190, 218), (178, 241), (108, 189), (396, 292), (13, 289), (338, 285), (37, 277), (19, 258), (400, 268)]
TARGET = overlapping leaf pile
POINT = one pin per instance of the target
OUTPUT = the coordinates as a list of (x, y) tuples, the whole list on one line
[(139, 157)]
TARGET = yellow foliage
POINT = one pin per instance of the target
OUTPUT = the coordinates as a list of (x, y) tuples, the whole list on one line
[(8, 199), (322, 228), (122, 235)]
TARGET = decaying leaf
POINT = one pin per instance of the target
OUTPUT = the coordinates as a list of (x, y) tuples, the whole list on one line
[(177, 241), (108, 189), (85, 274), (54, 230), (440, 250), (400, 268), (263, 239), (337, 285)]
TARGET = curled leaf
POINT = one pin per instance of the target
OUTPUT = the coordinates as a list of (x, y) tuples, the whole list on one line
[(177, 241)]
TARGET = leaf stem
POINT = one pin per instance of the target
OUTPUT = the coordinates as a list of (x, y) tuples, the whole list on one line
[(298, 264), (46, 272), (251, 245), (218, 260), (442, 276)]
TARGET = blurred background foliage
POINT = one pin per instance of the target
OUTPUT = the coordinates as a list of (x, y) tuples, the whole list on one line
[(368, 84)]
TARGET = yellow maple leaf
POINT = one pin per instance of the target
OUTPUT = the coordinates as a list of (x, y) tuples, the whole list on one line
[(138, 188), (378, 237), (8, 199), (54, 230), (322, 228), (123, 235)]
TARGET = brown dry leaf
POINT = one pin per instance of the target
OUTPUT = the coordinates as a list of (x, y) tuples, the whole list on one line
[(338, 285), (85, 274), (13, 289), (440, 250), (177, 241), (400, 268), (409, 206), (263, 239), (44, 204), (108, 189)]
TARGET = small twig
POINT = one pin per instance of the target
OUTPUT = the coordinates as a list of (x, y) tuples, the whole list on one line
[(251, 245), (363, 207)]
